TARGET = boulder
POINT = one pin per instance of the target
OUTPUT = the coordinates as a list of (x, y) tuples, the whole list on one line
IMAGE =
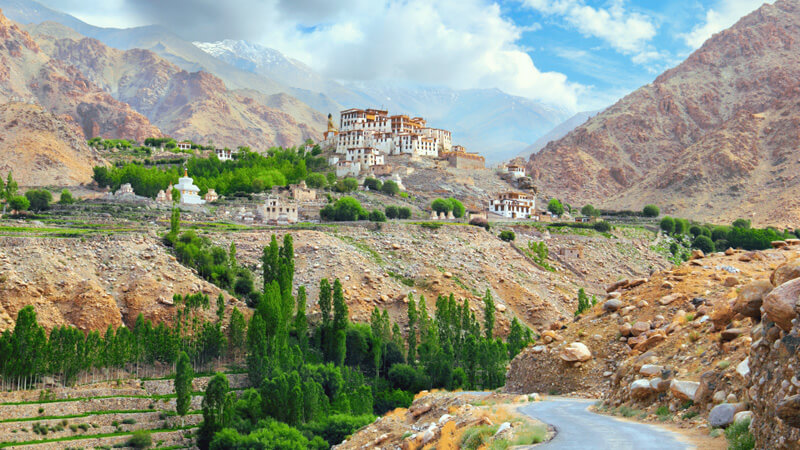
[(683, 390), (779, 304), (722, 415), (743, 368), (778, 244), (650, 342), (729, 251), (575, 352), (708, 384), (612, 305), (742, 416), (636, 282), (659, 385), (617, 286), (651, 370), (748, 302), (718, 397), (731, 334), (785, 272), (697, 254), (722, 315), (788, 410), (640, 327), (625, 329), (641, 389), (667, 299), (731, 281)]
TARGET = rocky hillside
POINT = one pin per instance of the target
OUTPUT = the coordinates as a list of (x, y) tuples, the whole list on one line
[(195, 105), (29, 74), (707, 340), (713, 138), (42, 149), (94, 282)]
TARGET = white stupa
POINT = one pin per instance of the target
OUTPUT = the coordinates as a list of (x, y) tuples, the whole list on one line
[(189, 192)]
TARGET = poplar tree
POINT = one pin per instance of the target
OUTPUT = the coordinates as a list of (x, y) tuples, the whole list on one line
[(183, 385), (175, 221), (340, 321), (412, 331), (286, 264), (488, 315), (270, 262), (301, 321), (217, 410), (325, 301)]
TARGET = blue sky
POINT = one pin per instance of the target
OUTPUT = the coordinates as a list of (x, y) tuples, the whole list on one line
[(573, 54)]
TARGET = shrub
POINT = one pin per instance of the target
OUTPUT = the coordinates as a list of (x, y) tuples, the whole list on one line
[(457, 208), (140, 439), (667, 225), (741, 223), (695, 230), (583, 302), (507, 235), (377, 216), (390, 188), (337, 427), (602, 226), (373, 184), (739, 436), (663, 413), (392, 212), (650, 211), (479, 222), (431, 225), (66, 198), (441, 205), (404, 212), (129, 421)]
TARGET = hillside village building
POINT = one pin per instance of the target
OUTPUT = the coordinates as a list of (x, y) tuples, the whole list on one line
[(225, 154), (278, 210), (514, 205), (516, 171), (184, 145), (459, 158)]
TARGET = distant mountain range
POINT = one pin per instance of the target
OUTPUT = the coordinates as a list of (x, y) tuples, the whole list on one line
[(487, 121), (558, 132), (714, 138)]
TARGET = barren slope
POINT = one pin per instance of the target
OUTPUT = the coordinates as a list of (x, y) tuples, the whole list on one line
[(713, 138), (42, 149)]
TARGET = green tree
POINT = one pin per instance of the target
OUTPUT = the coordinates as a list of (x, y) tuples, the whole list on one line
[(518, 338), (667, 225), (345, 209), (390, 188), (19, 203), (488, 314), (176, 196), (183, 385), (11, 187), (217, 409), (555, 207), (589, 211), (412, 330), (392, 212), (300, 320), (404, 212), (373, 184), (602, 226), (324, 301), (237, 332), (66, 198), (175, 221), (340, 322), (316, 180), (39, 199), (651, 211)]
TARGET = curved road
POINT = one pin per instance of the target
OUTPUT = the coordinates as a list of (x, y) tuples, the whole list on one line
[(579, 429)]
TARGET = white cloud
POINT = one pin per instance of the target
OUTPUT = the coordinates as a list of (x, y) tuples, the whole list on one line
[(718, 18), (455, 43), (627, 32)]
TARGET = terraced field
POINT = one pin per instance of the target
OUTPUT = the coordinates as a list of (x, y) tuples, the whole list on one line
[(102, 415)]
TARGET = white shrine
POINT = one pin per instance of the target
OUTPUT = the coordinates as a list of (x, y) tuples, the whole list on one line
[(189, 192)]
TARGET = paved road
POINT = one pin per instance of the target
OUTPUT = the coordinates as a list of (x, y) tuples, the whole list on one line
[(580, 429)]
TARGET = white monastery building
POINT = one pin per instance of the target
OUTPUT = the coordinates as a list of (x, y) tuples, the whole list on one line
[(514, 205)]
